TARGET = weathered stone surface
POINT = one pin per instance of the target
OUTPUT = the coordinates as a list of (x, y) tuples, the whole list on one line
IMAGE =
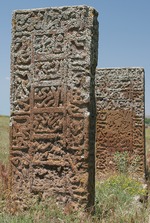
[(120, 116), (53, 60)]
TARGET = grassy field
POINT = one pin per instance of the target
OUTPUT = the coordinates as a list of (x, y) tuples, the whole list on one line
[(4, 139), (119, 199)]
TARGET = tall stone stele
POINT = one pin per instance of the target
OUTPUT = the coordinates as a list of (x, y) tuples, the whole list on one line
[(53, 61), (120, 120)]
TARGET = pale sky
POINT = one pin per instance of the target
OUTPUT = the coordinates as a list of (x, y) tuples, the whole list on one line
[(124, 37)]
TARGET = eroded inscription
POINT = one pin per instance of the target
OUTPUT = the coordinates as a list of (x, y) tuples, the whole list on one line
[(120, 116), (54, 55)]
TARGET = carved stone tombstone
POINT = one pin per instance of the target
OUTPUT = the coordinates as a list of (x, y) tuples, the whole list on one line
[(120, 118), (53, 60)]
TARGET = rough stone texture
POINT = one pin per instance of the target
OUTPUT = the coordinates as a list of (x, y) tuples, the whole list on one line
[(120, 116), (53, 60)]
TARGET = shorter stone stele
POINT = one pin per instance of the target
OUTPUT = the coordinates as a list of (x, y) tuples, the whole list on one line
[(120, 117)]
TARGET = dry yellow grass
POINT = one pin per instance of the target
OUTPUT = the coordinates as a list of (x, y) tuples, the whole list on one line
[(147, 134), (4, 139)]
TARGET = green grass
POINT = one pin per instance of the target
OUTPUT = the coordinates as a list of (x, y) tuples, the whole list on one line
[(116, 200), (48, 212), (4, 139)]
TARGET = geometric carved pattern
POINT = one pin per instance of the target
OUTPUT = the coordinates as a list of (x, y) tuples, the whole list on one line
[(53, 103), (120, 116)]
